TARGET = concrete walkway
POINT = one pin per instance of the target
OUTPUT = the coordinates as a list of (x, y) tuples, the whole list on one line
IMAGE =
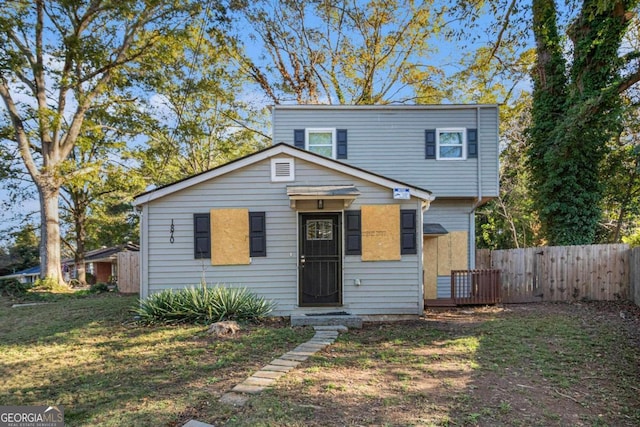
[(267, 376)]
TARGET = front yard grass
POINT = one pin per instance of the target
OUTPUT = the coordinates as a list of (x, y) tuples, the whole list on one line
[(87, 355), (534, 365)]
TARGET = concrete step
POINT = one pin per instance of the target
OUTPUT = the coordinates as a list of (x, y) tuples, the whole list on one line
[(348, 320)]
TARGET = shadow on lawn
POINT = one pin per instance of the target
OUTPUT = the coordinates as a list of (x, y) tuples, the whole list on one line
[(541, 365), (141, 376), (58, 319)]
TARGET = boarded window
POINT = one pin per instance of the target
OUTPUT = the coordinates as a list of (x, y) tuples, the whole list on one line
[(381, 233), (229, 237), (453, 252)]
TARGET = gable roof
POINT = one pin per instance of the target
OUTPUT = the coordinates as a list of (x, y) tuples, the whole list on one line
[(105, 254), (31, 271), (275, 150)]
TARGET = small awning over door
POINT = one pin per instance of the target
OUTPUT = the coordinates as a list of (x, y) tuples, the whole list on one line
[(433, 230), (346, 193)]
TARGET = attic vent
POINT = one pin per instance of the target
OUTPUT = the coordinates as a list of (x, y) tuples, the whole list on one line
[(282, 170)]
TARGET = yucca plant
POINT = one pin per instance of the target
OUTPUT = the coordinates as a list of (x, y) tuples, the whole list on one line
[(202, 304)]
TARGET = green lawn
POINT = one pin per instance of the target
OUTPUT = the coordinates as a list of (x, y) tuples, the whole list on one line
[(86, 355), (536, 365)]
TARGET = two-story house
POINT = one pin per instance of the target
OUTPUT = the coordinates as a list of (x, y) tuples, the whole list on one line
[(365, 209)]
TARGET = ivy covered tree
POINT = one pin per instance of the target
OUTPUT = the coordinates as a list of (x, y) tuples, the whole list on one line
[(576, 111)]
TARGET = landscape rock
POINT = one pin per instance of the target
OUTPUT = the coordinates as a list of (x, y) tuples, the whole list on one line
[(225, 328)]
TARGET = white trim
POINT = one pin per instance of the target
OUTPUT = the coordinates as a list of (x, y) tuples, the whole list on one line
[(272, 152), (463, 132), (381, 107), (332, 131), (144, 252), (283, 178)]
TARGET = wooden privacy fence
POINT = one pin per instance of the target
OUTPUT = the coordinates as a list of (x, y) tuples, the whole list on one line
[(129, 272), (475, 287), (634, 274), (561, 273)]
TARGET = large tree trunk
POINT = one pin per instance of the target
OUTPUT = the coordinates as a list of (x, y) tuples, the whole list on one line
[(50, 257), (573, 119), (81, 236)]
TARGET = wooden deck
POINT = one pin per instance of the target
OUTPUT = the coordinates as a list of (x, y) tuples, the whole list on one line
[(470, 287)]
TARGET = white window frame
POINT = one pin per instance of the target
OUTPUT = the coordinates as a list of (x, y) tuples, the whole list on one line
[(309, 131), (463, 131)]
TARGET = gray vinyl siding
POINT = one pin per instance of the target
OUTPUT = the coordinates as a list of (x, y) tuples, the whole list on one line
[(387, 287), (391, 141), (454, 215)]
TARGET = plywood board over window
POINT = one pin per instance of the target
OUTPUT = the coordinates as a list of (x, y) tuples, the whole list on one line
[(453, 252), (381, 233), (430, 263), (229, 237)]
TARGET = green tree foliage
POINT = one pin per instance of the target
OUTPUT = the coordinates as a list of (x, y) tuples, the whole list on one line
[(23, 252), (620, 173), (576, 112), (510, 220), (96, 199), (196, 119), (58, 60)]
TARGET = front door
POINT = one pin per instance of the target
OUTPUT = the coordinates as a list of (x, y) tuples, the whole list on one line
[(320, 263)]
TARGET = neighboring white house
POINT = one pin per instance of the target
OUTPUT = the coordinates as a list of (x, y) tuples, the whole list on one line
[(338, 213)]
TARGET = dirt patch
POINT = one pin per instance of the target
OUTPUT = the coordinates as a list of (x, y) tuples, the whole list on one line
[(517, 365)]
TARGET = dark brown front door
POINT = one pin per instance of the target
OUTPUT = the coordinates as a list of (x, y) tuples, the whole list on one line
[(320, 259)]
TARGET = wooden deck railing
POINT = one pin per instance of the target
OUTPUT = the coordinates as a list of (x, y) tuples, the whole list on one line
[(475, 287)]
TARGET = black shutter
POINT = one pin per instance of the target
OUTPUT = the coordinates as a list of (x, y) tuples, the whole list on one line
[(430, 144), (408, 232), (341, 136), (298, 138), (257, 234), (201, 236), (353, 233), (472, 143)]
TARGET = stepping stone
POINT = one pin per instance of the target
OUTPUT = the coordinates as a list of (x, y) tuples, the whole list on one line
[(248, 389), (277, 368), (269, 374), (338, 328), (262, 382), (194, 423), (302, 352), (291, 356), (326, 334), (309, 351), (322, 342), (310, 347), (282, 362), (233, 399)]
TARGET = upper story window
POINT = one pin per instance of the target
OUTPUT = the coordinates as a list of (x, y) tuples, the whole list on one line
[(451, 144), (321, 141)]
